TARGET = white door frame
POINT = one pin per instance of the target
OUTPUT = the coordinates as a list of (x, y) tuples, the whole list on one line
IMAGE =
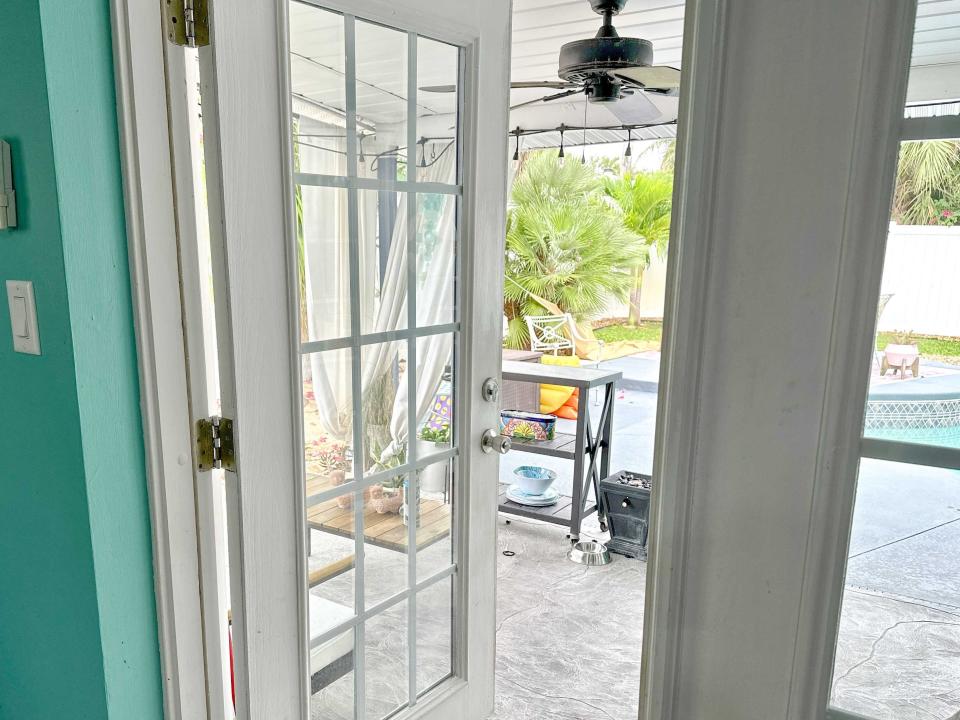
[(689, 354), (151, 223)]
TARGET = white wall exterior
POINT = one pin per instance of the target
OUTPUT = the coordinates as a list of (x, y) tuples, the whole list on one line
[(922, 270)]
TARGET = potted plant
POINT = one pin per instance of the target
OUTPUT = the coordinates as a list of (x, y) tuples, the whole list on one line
[(387, 496), (901, 354), (433, 478)]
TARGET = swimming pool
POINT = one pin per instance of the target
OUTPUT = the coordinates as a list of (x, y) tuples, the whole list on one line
[(942, 437)]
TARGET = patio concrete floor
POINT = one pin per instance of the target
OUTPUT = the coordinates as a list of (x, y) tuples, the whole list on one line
[(562, 653), (568, 636)]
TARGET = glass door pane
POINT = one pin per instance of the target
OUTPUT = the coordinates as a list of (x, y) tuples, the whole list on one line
[(899, 633), (380, 343), (899, 636)]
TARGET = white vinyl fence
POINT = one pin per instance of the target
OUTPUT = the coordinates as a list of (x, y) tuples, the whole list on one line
[(922, 271), (652, 293)]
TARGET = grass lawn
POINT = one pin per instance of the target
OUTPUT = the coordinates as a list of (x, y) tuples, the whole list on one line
[(647, 331), (934, 348)]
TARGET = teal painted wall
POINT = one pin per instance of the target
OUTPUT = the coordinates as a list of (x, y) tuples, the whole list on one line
[(78, 634)]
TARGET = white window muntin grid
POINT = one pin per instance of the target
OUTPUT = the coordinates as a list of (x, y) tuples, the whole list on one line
[(413, 188)]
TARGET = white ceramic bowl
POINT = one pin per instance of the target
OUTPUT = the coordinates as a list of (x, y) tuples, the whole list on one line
[(533, 479)]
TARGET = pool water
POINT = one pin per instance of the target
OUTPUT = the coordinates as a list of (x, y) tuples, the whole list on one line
[(942, 437)]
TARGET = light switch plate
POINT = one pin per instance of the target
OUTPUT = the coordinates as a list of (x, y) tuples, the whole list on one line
[(23, 317)]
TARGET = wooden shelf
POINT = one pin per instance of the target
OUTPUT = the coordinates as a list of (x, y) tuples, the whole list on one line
[(385, 530), (559, 514), (563, 445)]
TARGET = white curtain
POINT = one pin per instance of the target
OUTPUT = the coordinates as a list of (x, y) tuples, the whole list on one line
[(327, 268), (326, 252), (434, 304)]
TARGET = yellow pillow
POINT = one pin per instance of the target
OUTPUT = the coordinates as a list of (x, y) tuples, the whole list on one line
[(553, 397), (567, 360)]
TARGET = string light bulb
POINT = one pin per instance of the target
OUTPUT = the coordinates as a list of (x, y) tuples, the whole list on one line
[(561, 154), (628, 152), (361, 158), (516, 151)]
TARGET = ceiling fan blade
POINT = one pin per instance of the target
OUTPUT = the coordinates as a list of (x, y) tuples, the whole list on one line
[(654, 77), (519, 85), (549, 84), (635, 109), (548, 98)]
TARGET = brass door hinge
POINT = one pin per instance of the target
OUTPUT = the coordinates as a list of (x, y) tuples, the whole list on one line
[(185, 22), (215, 444)]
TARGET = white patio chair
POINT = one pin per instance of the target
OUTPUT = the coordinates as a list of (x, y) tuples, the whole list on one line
[(553, 333), (548, 333)]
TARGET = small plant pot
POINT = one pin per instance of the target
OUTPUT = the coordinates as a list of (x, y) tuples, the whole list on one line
[(433, 478), (900, 358)]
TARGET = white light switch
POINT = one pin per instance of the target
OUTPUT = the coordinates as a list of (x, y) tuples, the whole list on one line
[(20, 329), (23, 317)]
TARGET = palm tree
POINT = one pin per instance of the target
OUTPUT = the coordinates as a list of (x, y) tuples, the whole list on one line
[(644, 200), (566, 244), (928, 183)]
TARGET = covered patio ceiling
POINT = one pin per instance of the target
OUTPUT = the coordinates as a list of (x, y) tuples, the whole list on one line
[(540, 28)]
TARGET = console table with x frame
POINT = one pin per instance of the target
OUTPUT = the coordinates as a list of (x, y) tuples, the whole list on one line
[(588, 447)]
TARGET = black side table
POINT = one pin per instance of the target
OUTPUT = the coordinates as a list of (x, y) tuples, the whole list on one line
[(625, 499)]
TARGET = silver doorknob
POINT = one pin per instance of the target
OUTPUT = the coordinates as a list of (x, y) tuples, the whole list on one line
[(492, 440)]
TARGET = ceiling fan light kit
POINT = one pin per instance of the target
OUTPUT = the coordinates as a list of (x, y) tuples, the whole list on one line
[(591, 62), (608, 66), (617, 71)]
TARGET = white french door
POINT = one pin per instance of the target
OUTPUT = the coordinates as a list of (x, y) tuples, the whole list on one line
[(355, 162)]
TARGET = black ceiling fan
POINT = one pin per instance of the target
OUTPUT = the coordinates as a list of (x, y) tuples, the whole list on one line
[(607, 68)]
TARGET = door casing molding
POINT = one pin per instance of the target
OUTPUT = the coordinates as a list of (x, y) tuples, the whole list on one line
[(682, 358), (679, 632), (151, 224)]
